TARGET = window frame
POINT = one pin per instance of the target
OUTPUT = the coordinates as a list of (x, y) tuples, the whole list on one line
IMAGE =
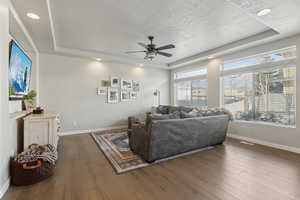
[(192, 78), (256, 55), (290, 62)]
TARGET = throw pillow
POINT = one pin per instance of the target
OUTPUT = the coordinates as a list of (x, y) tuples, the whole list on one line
[(162, 110)]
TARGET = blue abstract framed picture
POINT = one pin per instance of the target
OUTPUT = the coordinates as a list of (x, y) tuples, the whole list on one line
[(19, 71)]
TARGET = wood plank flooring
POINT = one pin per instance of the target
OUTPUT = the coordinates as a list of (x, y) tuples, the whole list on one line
[(232, 171)]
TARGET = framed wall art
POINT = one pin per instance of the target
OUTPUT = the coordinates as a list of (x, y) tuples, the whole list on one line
[(112, 95), (125, 95), (126, 84), (115, 82)]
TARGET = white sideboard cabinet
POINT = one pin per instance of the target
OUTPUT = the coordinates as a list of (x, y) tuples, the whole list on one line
[(41, 129)]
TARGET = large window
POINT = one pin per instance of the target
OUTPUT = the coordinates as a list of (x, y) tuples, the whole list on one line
[(191, 88), (264, 92)]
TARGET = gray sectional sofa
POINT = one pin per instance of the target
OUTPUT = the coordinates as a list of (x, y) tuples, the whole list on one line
[(176, 130)]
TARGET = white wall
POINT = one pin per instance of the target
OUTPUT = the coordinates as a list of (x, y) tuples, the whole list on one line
[(5, 136), (8, 126), (268, 133), (68, 87)]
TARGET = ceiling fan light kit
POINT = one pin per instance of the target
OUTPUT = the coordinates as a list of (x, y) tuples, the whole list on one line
[(151, 50)]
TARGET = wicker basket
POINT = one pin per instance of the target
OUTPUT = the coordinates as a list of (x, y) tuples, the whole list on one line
[(30, 173)]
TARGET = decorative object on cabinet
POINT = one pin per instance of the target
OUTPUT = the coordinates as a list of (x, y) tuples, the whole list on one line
[(125, 95), (29, 100), (38, 110), (112, 95), (115, 82), (126, 84), (41, 129)]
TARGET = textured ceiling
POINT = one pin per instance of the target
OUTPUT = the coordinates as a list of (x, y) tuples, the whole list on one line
[(116, 26), (108, 28), (16, 32)]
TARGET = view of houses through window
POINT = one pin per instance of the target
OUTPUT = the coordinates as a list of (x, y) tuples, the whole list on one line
[(258, 88), (265, 95), (192, 89)]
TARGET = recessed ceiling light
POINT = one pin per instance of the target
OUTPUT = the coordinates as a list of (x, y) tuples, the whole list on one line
[(210, 57), (33, 16), (264, 12), (98, 59)]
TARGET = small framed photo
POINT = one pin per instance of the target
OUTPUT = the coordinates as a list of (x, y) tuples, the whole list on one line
[(115, 82), (105, 83), (112, 95), (126, 84), (125, 95), (135, 86), (133, 95), (101, 90)]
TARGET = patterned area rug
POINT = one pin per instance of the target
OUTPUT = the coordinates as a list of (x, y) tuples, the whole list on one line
[(115, 146)]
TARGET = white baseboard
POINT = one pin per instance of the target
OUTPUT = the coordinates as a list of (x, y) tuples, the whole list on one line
[(265, 143), (4, 188), (76, 132)]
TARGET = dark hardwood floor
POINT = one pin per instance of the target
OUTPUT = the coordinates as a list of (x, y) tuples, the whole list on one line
[(232, 171)]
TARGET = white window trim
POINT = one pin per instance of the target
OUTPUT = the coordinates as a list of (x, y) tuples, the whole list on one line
[(261, 67), (263, 123), (258, 68), (259, 54), (175, 81), (201, 77), (191, 77)]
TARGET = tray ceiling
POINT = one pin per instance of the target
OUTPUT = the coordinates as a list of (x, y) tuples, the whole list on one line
[(108, 28)]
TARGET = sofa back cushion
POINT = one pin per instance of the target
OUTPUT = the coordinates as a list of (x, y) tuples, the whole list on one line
[(191, 114), (175, 115), (216, 111), (152, 117), (174, 109), (186, 109), (164, 109)]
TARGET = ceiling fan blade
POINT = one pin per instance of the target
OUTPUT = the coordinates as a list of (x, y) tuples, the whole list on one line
[(170, 46), (164, 54), (143, 45), (135, 51)]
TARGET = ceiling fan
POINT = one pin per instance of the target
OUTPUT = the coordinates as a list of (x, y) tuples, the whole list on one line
[(151, 50)]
